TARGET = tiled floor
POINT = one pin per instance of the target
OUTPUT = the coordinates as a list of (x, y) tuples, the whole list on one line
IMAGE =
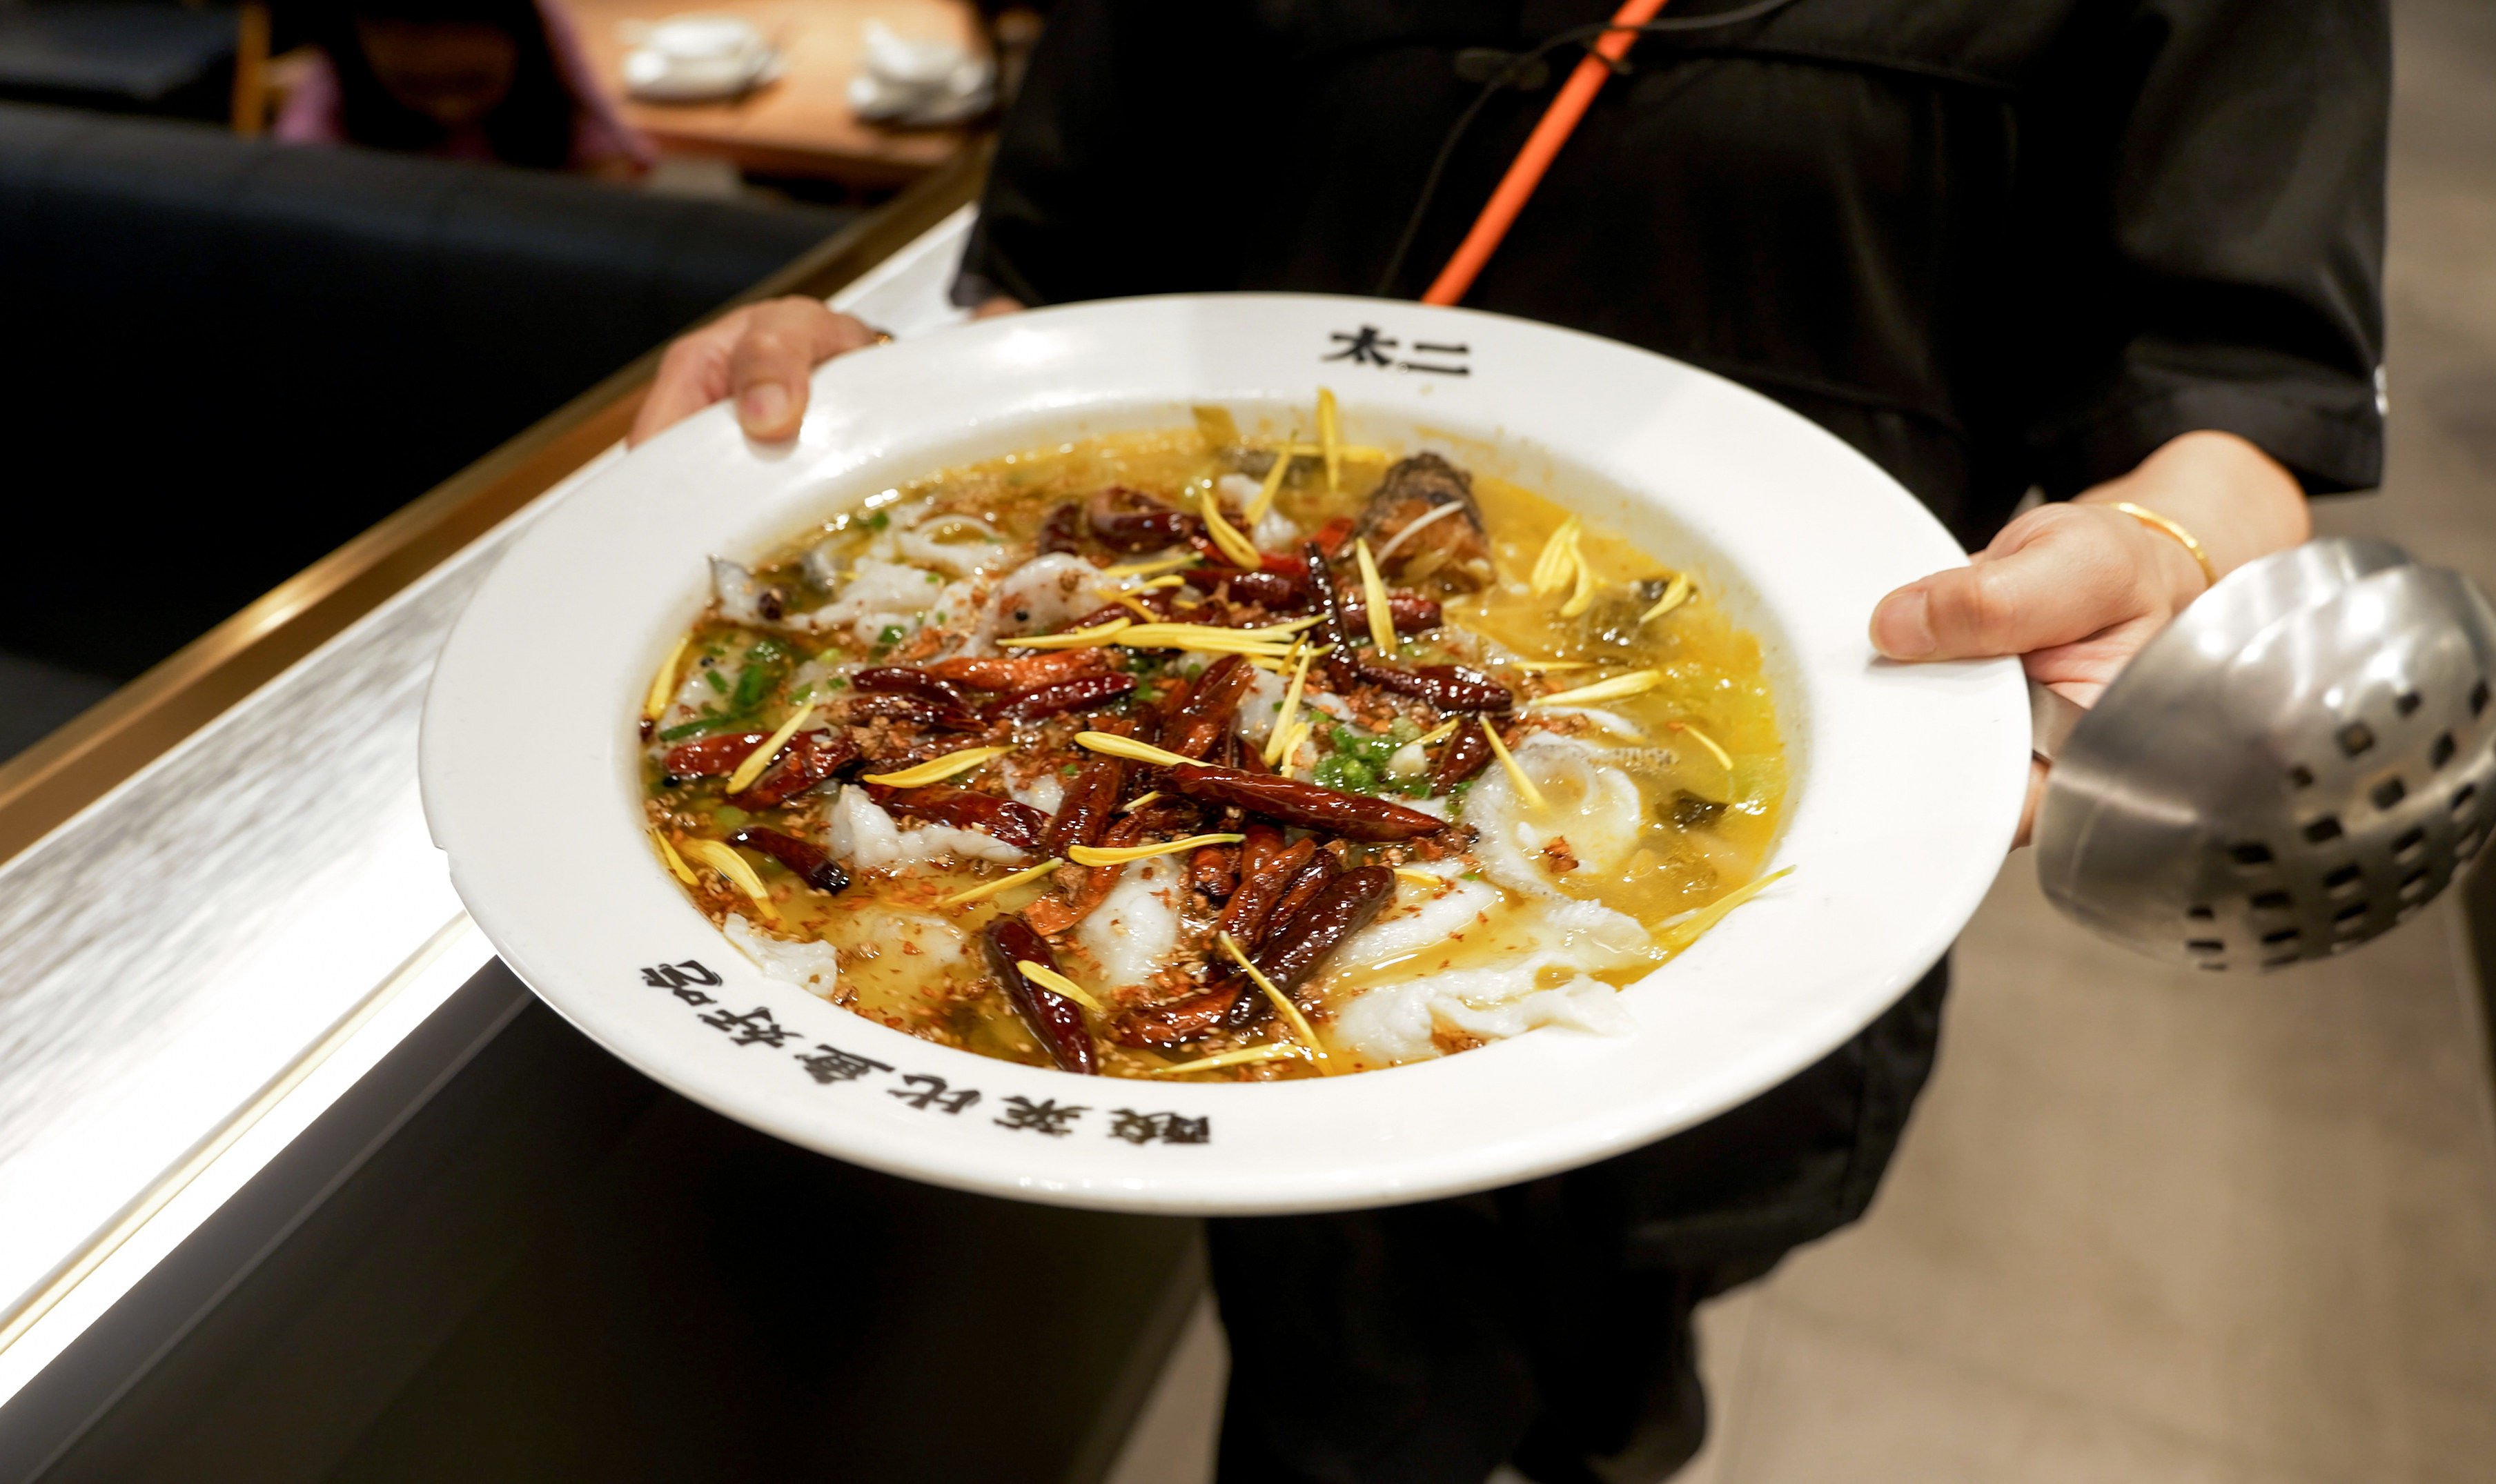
[(2154, 1226)]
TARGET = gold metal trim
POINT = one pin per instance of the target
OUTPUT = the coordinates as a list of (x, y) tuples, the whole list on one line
[(44, 785)]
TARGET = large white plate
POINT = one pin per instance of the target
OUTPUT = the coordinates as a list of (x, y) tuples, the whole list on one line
[(1906, 781)]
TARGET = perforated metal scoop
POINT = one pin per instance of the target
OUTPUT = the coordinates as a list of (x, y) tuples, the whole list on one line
[(2304, 758)]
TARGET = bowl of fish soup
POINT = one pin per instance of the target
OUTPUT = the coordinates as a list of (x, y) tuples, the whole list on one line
[(1119, 862)]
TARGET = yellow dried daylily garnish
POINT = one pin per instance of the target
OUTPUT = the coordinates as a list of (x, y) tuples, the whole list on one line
[(668, 858), (1360, 452), (1544, 666), (1072, 638), (1373, 592), (1128, 602), (1050, 979), (936, 770), (1128, 747), (1706, 741), (1676, 593), (728, 864), (1217, 427), (1288, 712), (1272, 486), (1241, 551), (760, 758), (1552, 567), (1302, 1031), (1438, 731), (1248, 1057), (1292, 736), (1419, 877), (1525, 789), (1139, 802), (1203, 636), (1150, 568), (1615, 688), (1119, 856), (663, 685), (1001, 884), (1149, 584), (1584, 597), (1681, 934), (1331, 438)]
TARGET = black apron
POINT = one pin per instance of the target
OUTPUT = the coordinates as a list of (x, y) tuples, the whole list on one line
[(1994, 244)]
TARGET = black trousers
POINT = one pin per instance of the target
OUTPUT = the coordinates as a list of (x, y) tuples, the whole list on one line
[(1546, 1324)]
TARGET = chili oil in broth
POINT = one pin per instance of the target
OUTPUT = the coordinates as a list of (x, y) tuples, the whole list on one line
[(1706, 813)]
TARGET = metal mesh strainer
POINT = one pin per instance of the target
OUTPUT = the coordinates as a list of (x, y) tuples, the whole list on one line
[(2304, 758)]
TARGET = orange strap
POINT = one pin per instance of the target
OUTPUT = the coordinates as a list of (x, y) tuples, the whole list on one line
[(1525, 173)]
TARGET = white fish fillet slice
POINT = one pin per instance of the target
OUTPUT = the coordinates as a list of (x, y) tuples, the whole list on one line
[(813, 967)]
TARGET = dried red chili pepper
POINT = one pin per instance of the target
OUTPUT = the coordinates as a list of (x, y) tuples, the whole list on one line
[(1195, 724), (1305, 884), (1329, 538), (1279, 592), (1090, 797), (1062, 530), (1018, 672), (1291, 954), (1127, 519), (1144, 722), (809, 758), (1057, 698), (713, 756), (1009, 942), (1016, 824), (1310, 806), (1214, 870), (1410, 612), (1334, 536), (1342, 673), (1181, 1020), (1265, 868), (1447, 687), (1467, 752), (811, 865), (1344, 907)]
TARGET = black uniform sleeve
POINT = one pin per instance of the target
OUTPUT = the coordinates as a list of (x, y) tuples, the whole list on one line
[(1133, 116), (2224, 162)]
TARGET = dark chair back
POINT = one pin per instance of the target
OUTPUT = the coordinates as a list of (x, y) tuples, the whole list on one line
[(226, 356)]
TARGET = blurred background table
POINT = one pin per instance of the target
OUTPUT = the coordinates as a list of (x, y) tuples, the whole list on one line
[(799, 125)]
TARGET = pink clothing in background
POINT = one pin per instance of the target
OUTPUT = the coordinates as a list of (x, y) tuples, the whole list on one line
[(312, 114)]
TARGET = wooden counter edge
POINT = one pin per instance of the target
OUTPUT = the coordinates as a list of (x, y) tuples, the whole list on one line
[(43, 787)]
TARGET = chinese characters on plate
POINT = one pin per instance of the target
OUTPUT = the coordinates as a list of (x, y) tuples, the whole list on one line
[(691, 981), (1371, 346)]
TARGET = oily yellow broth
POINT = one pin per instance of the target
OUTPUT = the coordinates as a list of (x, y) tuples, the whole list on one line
[(896, 965)]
